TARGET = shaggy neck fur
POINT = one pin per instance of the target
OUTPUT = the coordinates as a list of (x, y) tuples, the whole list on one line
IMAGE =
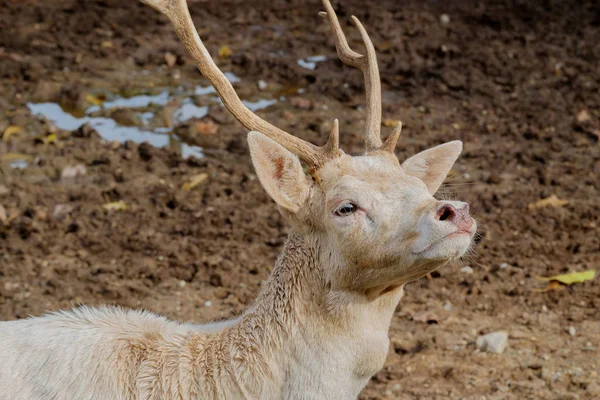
[(300, 337)]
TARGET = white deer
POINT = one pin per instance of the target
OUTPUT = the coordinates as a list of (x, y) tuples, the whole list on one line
[(362, 227)]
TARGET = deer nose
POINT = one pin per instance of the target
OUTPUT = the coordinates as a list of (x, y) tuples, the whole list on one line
[(458, 216)]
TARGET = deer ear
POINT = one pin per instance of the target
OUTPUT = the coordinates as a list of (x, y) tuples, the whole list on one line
[(279, 171), (432, 165)]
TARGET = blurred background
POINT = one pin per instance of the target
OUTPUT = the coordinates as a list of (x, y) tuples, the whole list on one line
[(124, 181)]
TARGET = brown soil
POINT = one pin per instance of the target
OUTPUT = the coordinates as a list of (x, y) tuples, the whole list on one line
[(509, 78)]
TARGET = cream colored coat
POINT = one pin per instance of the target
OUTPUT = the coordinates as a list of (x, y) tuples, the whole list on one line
[(319, 328)]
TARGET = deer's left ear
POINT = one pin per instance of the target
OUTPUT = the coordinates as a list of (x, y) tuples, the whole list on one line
[(432, 165), (279, 171)]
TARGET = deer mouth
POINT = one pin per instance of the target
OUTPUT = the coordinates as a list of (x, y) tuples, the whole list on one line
[(464, 236)]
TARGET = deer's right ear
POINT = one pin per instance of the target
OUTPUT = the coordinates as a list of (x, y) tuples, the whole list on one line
[(279, 171)]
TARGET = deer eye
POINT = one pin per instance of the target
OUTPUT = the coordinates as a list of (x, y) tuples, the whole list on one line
[(345, 210)]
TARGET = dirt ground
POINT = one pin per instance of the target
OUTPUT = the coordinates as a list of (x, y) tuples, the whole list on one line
[(517, 81)]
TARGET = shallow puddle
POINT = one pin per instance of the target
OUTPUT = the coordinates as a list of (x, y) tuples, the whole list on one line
[(310, 62), (146, 108)]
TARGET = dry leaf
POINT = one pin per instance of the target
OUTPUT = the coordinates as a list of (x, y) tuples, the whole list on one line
[(552, 285), (206, 128), (551, 201), (51, 138), (7, 157), (11, 130), (115, 206), (390, 123), (93, 100), (571, 277), (195, 181), (225, 52)]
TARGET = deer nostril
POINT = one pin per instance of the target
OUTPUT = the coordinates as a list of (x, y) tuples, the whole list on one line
[(447, 212)]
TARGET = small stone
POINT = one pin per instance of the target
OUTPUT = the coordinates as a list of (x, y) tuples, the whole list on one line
[(46, 91), (447, 306), (583, 116), (593, 388), (466, 270), (73, 172), (84, 131), (62, 210), (494, 342), (544, 308), (444, 19), (262, 85), (181, 284), (301, 103), (547, 375), (572, 331), (504, 265), (170, 59), (208, 303), (124, 116)]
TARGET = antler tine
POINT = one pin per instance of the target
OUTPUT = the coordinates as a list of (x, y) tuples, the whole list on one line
[(392, 140), (178, 13), (368, 65)]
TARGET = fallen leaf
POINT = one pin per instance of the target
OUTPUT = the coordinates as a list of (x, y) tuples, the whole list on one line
[(225, 52), (552, 285), (550, 201), (6, 157), (390, 123), (206, 128), (195, 181), (115, 206), (51, 138), (571, 277), (90, 98), (11, 130)]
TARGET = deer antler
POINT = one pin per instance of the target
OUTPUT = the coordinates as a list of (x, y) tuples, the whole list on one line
[(178, 13), (368, 65)]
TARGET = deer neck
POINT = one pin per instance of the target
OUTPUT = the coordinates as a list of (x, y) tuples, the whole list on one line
[(308, 338)]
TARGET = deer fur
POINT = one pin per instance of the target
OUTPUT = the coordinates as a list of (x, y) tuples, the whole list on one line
[(362, 227), (318, 329)]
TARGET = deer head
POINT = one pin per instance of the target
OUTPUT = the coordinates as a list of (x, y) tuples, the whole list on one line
[(376, 221)]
